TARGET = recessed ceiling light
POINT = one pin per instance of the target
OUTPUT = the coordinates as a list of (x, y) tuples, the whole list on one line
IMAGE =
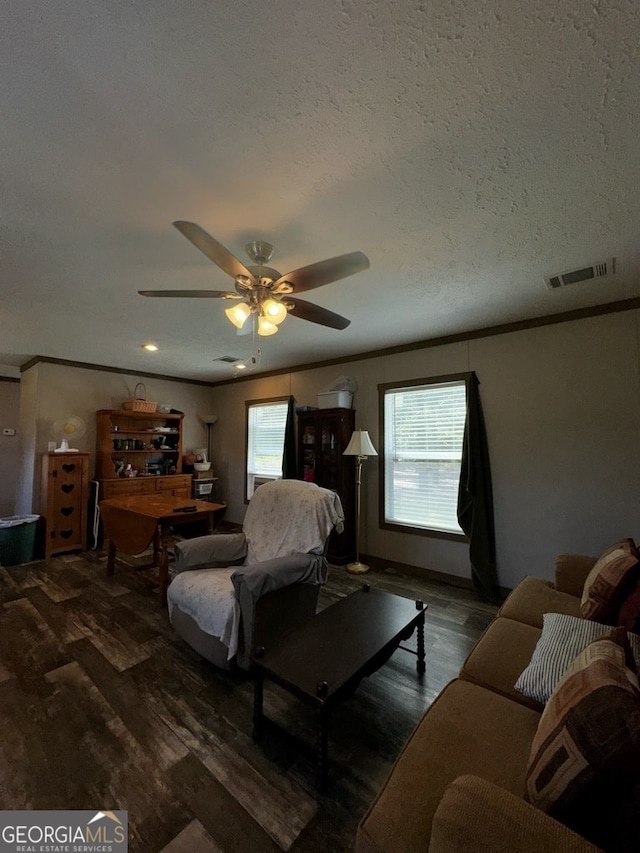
[(150, 347)]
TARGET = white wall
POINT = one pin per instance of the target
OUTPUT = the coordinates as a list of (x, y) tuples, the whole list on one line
[(562, 405), (562, 408), (54, 391), (9, 444)]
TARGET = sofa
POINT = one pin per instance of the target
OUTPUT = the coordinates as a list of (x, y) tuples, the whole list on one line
[(459, 782)]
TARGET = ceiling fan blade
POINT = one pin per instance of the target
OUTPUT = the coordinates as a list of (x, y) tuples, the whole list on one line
[(215, 251), (324, 272), (316, 314), (193, 294)]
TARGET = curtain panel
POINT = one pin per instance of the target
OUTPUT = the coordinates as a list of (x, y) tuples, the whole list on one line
[(289, 466), (475, 498)]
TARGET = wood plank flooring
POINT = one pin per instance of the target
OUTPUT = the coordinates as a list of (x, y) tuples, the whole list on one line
[(102, 706)]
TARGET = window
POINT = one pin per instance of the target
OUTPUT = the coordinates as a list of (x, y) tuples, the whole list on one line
[(266, 423), (423, 429)]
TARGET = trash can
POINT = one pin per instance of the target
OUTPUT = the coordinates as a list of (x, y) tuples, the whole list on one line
[(17, 539)]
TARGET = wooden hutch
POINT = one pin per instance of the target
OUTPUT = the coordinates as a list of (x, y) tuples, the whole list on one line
[(323, 435), (150, 444)]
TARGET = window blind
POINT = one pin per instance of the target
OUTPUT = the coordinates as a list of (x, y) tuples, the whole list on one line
[(265, 441), (423, 433)]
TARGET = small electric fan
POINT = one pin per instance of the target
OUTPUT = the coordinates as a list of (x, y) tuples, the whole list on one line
[(68, 429)]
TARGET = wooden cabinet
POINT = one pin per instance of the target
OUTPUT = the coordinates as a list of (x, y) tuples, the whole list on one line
[(150, 444), (177, 485), (323, 436), (65, 478)]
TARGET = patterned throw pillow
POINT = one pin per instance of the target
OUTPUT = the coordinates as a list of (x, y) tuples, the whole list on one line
[(563, 638), (629, 613), (587, 744), (609, 581)]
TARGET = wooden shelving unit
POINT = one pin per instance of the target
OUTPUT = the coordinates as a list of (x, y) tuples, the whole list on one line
[(148, 443)]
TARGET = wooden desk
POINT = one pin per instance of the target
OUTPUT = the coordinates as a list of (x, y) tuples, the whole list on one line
[(132, 523)]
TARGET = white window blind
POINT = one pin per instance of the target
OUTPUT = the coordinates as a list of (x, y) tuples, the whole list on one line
[(265, 442), (423, 433)]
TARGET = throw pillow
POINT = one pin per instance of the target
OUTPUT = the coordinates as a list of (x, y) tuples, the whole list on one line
[(609, 581), (587, 745), (562, 639), (629, 613)]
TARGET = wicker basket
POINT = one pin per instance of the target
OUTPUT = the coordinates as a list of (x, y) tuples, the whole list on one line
[(140, 402)]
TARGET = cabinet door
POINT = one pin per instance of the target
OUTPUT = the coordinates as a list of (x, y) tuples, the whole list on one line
[(126, 486), (177, 486), (329, 452), (308, 452), (180, 493), (65, 481)]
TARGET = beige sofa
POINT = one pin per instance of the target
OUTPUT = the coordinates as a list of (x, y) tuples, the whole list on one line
[(459, 782)]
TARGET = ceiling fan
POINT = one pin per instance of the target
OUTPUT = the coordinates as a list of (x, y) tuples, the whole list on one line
[(266, 294)]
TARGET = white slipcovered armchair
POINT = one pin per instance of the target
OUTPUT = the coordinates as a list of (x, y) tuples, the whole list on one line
[(233, 592)]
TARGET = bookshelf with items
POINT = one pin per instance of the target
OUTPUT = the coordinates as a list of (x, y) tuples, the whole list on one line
[(139, 453)]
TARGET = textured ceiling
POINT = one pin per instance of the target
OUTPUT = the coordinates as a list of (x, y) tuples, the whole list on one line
[(467, 148)]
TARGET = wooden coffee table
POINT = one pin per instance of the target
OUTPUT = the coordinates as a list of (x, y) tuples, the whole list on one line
[(132, 523), (324, 660)]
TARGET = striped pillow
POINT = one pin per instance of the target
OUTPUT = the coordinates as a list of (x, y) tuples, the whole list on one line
[(563, 638)]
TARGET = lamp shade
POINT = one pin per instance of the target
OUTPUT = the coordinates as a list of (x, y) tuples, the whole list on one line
[(360, 444), (238, 314), (266, 328), (274, 311)]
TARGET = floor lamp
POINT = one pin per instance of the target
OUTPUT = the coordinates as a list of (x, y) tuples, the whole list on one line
[(209, 421), (361, 447)]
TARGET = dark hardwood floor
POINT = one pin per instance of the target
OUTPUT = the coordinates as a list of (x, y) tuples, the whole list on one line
[(102, 706)]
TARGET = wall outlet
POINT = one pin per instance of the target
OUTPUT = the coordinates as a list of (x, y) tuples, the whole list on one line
[(7, 431)]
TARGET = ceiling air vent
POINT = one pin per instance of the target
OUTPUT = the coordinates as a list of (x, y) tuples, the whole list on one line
[(600, 269), (228, 359)]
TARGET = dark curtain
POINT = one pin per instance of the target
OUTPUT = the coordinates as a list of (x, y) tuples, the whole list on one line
[(475, 498), (289, 467)]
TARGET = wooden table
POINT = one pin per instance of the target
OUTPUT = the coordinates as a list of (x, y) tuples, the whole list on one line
[(324, 660), (132, 523)]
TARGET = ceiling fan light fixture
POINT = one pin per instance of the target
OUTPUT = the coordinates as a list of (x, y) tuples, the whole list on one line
[(259, 251), (265, 327), (238, 314), (261, 284), (274, 311)]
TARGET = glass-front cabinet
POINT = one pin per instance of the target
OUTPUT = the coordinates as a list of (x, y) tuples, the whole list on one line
[(323, 436)]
